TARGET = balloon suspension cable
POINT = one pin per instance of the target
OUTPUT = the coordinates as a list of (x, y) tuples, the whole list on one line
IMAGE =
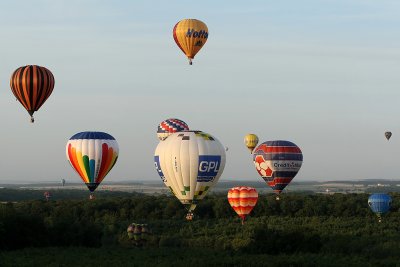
[(32, 119)]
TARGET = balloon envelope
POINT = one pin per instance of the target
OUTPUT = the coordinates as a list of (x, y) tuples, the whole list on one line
[(170, 126), (251, 141), (190, 164), (138, 232), (242, 199), (92, 155), (31, 86), (190, 35), (388, 135), (379, 203), (277, 162)]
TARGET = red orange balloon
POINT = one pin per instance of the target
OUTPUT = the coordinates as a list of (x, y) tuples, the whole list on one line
[(242, 199)]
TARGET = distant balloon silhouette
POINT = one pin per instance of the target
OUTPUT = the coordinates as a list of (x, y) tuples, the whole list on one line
[(32, 85), (388, 135)]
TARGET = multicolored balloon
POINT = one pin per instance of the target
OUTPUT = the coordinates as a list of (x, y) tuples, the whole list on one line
[(380, 204), (47, 195), (190, 164), (242, 199), (170, 126), (277, 162), (388, 135), (251, 141), (92, 155), (138, 233), (190, 35), (31, 86)]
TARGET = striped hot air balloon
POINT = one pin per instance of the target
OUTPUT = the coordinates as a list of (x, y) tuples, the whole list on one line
[(32, 85), (170, 126), (242, 199), (92, 155), (277, 162), (190, 35)]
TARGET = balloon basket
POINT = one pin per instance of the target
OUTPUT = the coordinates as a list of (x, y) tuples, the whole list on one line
[(277, 198), (189, 216), (32, 119), (92, 197)]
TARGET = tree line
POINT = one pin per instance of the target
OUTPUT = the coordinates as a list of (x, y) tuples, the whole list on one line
[(298, 223)]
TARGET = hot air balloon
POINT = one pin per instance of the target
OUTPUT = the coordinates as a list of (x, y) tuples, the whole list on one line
[(190, 164), (388, 135), (379, 204), (251, 141), (278, 163), (31, 86), (190, 35), (138, 233), (242, 199), (170, 126), (47, 195), (92, 155)]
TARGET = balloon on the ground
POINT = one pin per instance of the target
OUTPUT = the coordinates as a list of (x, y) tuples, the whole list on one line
[(92, 155), (47, 195), (380, 204), (190, 164), (170, 126), (31, 86), (190, 35), (277, 162), (251, 141), (242, 199), (388, 135), (138, 233)]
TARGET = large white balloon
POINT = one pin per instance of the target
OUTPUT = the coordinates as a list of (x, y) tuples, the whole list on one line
[(190, 164)]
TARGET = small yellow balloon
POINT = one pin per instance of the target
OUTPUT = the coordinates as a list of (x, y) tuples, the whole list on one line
[(251, 141), (190, 35)]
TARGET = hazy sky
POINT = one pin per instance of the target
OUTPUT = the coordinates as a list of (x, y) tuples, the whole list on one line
[(322, 74)]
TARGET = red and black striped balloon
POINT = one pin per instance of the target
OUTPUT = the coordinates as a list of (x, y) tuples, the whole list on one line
[(32, 85)]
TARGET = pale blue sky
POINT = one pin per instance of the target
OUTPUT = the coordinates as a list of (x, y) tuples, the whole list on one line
[(323, 74)]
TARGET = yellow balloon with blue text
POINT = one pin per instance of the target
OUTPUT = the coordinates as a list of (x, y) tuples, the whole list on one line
[(190, 35)]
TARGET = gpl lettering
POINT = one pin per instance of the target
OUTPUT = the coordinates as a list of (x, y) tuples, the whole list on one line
[(208, 166)]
